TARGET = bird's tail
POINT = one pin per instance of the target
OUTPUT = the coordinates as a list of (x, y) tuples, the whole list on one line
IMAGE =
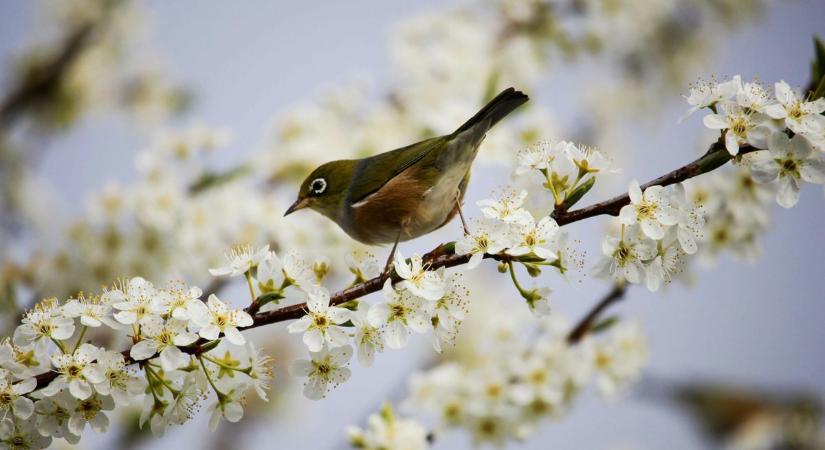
[(495, 110)]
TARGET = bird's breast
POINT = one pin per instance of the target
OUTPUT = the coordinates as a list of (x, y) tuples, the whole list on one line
[(406, 207)]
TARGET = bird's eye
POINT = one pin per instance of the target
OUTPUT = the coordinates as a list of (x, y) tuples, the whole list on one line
[(318, 186)]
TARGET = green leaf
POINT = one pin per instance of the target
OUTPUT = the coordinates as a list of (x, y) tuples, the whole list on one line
[(578, 193), (270, 297), (605, 324), (209, 180), (817, 86)]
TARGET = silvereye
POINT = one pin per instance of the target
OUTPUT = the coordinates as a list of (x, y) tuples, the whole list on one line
[(404, 193)]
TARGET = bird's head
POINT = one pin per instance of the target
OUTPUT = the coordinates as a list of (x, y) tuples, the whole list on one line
[(325, 189)]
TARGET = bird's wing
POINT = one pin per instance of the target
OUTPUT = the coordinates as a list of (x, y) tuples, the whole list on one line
[(376, 171)]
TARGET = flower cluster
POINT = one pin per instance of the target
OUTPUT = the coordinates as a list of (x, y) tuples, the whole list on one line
[(386, 431), (514, 383), (423, 301), (513, 234), (173, 376), (658, 229), (786, 124)]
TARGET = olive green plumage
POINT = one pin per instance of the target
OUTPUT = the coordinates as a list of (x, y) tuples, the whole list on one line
[(404, 193)]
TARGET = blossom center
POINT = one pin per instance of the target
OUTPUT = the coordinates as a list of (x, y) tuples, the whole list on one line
[(790, 166), (646, 210), (321, 321), (739, 126), (73, 370), (398, 311), (623, 253), (796, 111)]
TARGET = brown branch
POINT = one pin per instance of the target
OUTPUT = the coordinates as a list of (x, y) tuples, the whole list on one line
[(444, 255), (586, 324), (715, 157), (42, 83)]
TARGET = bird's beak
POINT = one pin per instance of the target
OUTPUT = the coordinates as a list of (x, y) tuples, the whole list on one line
[(299, 204)]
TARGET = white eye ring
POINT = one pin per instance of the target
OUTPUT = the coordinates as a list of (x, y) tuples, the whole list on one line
[(318, 186)]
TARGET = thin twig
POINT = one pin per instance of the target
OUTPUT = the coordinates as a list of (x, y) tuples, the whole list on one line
[(43, 83), (586, 324)]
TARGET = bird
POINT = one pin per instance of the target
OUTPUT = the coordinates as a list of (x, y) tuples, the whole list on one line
[(404, 193)]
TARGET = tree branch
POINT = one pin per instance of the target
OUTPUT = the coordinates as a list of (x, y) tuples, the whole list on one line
[(42, 83), (586, 324), (444, 256)]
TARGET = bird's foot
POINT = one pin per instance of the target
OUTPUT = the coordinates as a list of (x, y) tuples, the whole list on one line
[(461, 216)]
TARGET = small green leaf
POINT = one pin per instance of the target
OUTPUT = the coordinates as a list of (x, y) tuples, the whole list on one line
[(605, 324), (817, 86), (209, 180), (533, 270), (578, 193), (270, 297)]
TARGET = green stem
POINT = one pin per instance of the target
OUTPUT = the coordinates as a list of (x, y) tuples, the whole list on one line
[(80, 338), (513, 277), (218, 363), (149, 383), (550, 187), (251, 287), (59, 345), (209, 378), (163, 381)]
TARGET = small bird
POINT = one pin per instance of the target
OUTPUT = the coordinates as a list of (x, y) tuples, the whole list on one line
[(404, 193)]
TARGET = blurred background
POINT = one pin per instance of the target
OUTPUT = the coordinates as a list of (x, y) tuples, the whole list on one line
[(145, 138)]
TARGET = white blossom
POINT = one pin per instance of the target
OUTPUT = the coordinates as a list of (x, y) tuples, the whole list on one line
[(624, 257), (77, 371), (535, 238), (240, 259), (534, 157), (164, 340), (275, 274), (138, 303), (788, 161), (416, 278), (182, 299), (320, 324), (742, 127), (117, 381), (45, 322), (53, 416), (216, 317), (228, 405), (587, 159), (385, 431), (708, 93), (399, 314), (449, 312), (22, 434), (368, 337), (93, 311), (485, 237), (88, 411), (753, 96), (326, 369), (507, 208), (13, 400), (259, 369), (800, 116), (652, 209), (619, 359), (363, 265)]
